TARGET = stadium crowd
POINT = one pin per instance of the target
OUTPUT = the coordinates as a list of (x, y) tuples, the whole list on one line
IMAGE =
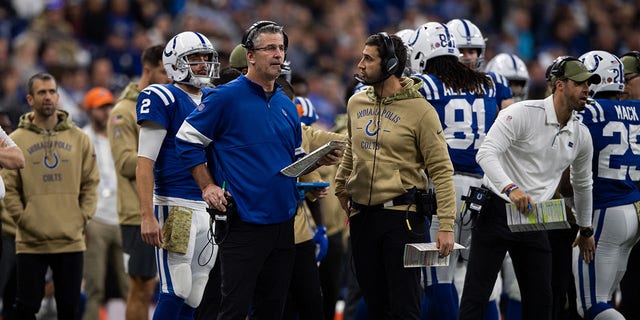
[(83, 46), (99, 43)]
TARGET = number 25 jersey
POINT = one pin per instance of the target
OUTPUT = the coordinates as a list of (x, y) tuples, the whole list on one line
[(615, 131)]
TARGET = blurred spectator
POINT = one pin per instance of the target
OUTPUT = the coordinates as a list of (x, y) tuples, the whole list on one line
[(160, 30), (25, 55), (102, 74), (518, 26), (12, 101), (103, 237), (95, 23), (325, 92), (4, 51)]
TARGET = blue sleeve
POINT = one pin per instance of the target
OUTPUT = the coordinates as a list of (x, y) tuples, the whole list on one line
[(503, 91), (153, 105), (197, 132)]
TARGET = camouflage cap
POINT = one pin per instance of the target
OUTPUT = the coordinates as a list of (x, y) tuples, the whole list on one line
[(577, 71), (238, 58), (631, 63)]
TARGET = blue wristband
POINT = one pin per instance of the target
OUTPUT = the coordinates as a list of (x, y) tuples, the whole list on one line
[(508, 191)]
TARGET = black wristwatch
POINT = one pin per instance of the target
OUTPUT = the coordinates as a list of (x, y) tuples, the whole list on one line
[(586, 232)]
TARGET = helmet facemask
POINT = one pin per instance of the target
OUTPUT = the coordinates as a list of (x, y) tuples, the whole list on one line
[(519, 90), (199, 80), (477, 63), (469, 36), (177, 65), (515, 70)]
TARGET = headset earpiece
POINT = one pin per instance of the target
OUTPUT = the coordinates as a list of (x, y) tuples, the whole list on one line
[(557, 67), (247, 41), (389, 62)]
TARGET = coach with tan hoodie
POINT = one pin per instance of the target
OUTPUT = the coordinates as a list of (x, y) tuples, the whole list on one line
[(51, 200), (394, 136)]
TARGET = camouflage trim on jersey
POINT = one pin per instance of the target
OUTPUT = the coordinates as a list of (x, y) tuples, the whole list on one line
[(177, 230)]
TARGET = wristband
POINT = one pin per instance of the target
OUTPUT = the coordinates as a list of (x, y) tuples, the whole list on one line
[(510, 189), (586, 232)]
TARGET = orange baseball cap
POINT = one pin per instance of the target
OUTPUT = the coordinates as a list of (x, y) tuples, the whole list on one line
[(98, 97)]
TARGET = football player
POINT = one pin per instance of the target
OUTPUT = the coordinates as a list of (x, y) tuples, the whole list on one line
[(174, 216), (515, 70), (466, 102), (472, 45), (615, 130)]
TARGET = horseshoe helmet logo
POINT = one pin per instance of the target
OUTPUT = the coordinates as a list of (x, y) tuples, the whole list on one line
[(51, 162)]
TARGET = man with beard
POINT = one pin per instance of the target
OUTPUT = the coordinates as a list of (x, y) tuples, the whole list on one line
[(523, 157)]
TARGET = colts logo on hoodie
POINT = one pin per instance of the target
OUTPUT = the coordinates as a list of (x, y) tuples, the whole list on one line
[(51, 161)]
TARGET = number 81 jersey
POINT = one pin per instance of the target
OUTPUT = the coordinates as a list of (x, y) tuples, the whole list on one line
[(465, 117), (615, 131)]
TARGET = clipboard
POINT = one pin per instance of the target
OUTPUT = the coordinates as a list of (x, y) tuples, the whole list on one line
[(546, 215), (425, 255), (308, 163)]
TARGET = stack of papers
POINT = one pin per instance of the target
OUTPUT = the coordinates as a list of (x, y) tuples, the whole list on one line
[(308, 162), (425, 255), (546, 215)]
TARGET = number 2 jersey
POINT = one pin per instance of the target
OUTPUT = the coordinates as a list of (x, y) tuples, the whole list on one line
[(615, 131), (168, 105), (465, 117)]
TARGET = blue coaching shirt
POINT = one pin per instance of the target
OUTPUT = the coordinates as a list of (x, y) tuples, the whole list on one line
[(615, 131), (168, 105), (253, 138), (465, 118)]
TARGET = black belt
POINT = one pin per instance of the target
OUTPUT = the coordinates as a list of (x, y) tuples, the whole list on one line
[(401, 200), (492, 195)]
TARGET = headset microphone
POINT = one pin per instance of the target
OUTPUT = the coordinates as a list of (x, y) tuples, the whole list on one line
[(369, 83)]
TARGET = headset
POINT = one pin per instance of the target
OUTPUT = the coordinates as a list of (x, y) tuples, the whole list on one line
[(389, 59), (557, 67), (248, 44)]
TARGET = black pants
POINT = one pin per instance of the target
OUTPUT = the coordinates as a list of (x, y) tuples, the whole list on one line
[(256, 265), (305, 297), (630, 286), (354, 293), (562, 282), (378, 237), (8, 276), (331, 273), (67, 278), (531, 256)]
